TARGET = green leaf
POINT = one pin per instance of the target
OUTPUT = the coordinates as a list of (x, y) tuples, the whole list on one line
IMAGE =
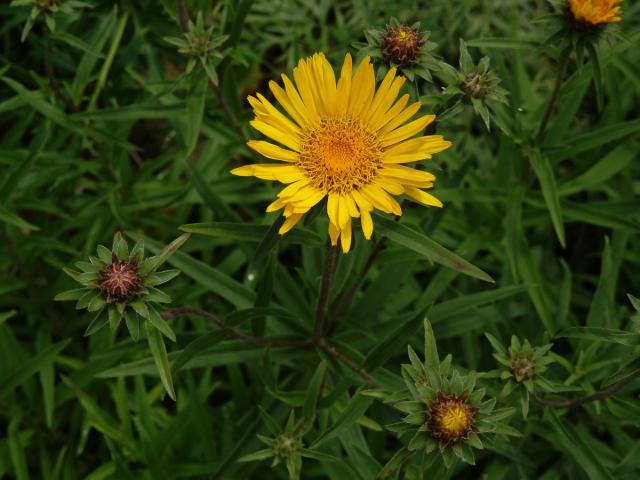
[(311, 398), (251, 233), (256, 456), (547, 179), (427, 247), (600, 334), (16, 451), (394, 343), (159, 354), (20, 373), (196, 101), (209, 277), (596, 137), (613, 162), (431, 358), (503, 43), (133, 112), (566, 438), (356, 407), (158, 322)]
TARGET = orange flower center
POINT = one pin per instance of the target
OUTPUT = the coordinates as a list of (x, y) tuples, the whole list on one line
[(339, 155), (450, 418)]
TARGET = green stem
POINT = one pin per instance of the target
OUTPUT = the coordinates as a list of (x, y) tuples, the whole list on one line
[(601, 395), (106, 66), (330, 264), (555, 96)]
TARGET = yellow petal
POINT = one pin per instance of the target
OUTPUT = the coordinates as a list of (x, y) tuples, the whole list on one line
[(391, 113), (276, 205), (343, 212), (406, 131), (344, 86), (289, 223), (334, 233), (276, 134), (345, 236), (406, 173), (392, 186), (332, 208), (423, 197), (277, 119), (272, 151), (400, 118), (362, 87), (291, 102), (366, 223)]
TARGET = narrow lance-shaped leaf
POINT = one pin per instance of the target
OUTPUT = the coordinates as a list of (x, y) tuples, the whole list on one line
[(427, 247), (159, 354)]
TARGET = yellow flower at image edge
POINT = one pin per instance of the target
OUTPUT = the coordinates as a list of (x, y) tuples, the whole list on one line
[(343, 140), (595, 12)]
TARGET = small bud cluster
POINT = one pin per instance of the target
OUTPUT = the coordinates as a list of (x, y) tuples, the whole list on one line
[(201, 44), (121, 284), (477, 84), (120, 281), (401, 45)]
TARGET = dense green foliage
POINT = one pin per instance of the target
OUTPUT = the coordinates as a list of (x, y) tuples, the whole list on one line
[(113, 121)]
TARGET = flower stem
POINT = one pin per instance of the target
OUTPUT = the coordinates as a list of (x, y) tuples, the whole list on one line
[(322, 344), (555, 96), (601, 395), (330, 264), (231, 332)]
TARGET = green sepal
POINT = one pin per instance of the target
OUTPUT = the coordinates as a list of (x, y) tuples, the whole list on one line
[(133, 324), (114, 317), (96, 303), (136, 256), (104, 254), (99, 321), (74, 294), (158, 322)]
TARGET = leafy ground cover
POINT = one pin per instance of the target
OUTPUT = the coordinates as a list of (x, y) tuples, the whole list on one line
[(153, 324)]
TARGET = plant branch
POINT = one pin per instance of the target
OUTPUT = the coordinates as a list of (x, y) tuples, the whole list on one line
[(323, 345), (601, 395), (555, 96), (330, 264), (233, 333), (51, 76), (350, 292), (183, 16)]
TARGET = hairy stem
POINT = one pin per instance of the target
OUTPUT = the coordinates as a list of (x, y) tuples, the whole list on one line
[(601, 395), (330, 264), (350, 292), (233, 333), (555, 96), (341, 357)]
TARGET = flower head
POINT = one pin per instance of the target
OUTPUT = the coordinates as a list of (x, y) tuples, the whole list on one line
[(119, 283), (522, 366), (450, 418), (202, 45), (344, 141), (401, 45), (444, 408), (595, 12)]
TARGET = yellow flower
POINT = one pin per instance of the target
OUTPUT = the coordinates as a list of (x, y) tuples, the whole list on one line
[(595, 12), (342, 140)]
